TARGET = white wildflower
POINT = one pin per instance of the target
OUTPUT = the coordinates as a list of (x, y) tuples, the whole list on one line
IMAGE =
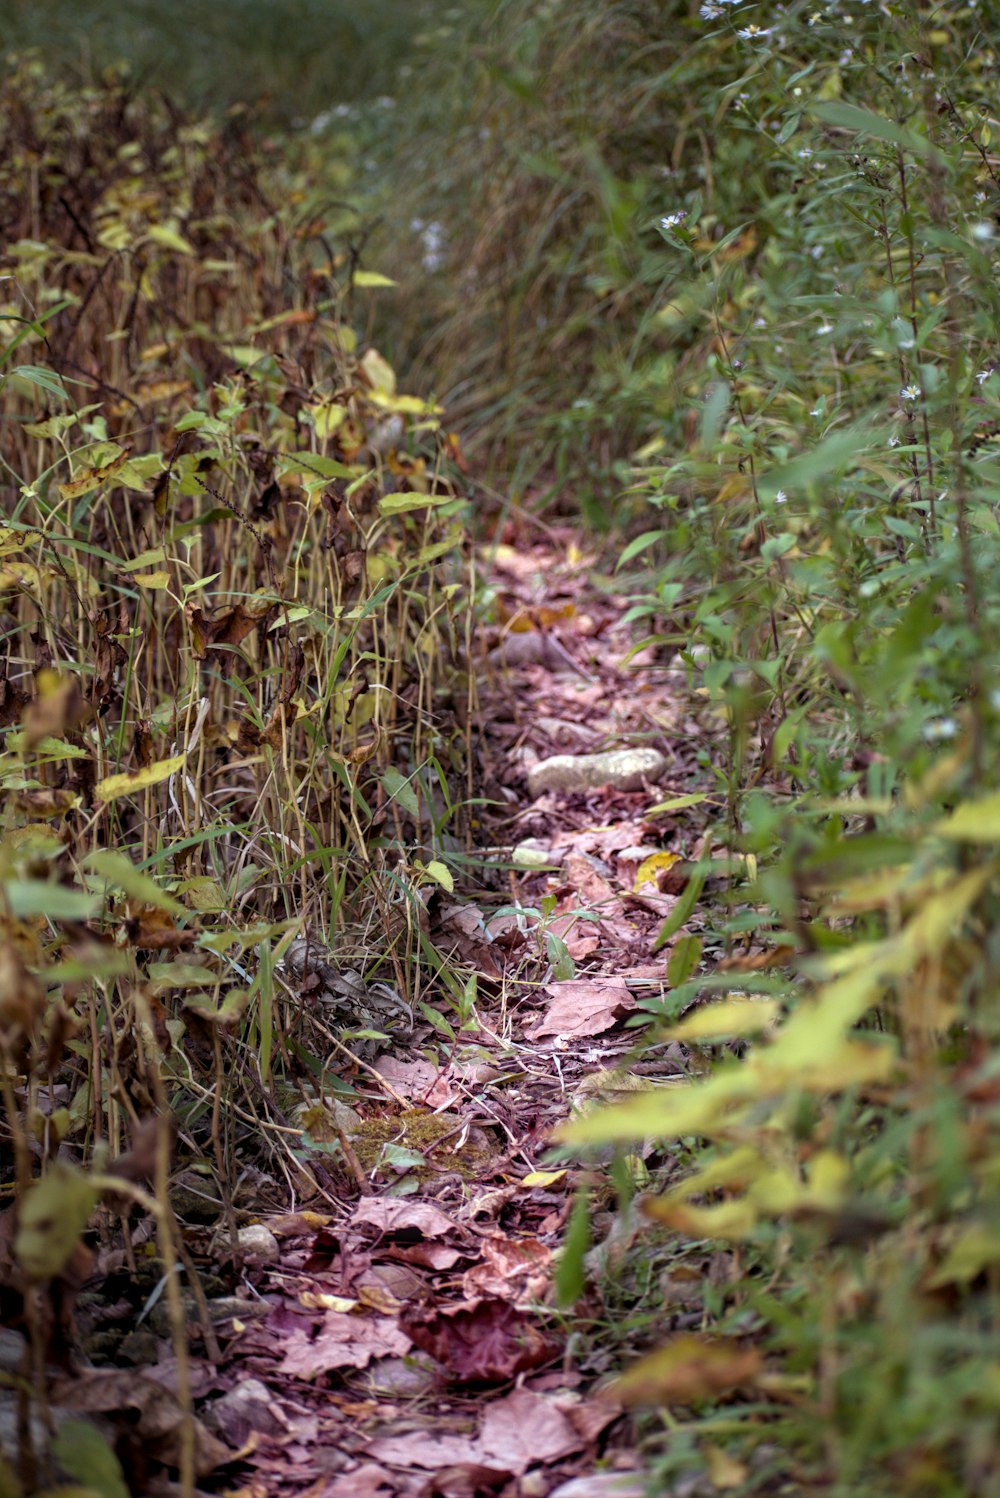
[(754, 33), (671, 220), (910, 393), (940, 728), (780, 497), (984, 375)]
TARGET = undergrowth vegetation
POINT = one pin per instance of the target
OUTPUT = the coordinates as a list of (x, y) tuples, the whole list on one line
[(727, 275), (231, 567), (825, 558)]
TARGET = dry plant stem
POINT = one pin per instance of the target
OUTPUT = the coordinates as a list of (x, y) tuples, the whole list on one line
[(162, 1215), (222, 1173)]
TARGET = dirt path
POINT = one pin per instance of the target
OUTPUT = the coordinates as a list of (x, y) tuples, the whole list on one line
[(407, 1343)]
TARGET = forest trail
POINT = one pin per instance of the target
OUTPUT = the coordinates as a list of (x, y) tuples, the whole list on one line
[(407, 1342)]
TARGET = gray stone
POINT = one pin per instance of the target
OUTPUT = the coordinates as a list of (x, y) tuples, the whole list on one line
[(259, 1243), (624, 769)]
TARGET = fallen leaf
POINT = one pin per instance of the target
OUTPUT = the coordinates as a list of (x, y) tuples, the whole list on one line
[(423, 1449), (160, 1418), (344, 1341), (368, 1481), (583, 1006), (524, 1429), (511, 1267), (403, 1217), (484, 1341)]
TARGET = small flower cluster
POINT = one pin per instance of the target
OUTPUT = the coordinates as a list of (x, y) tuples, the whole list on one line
[(714, 10), (673, 220)]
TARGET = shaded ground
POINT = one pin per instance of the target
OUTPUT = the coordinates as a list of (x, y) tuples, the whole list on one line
[(406, 1343)]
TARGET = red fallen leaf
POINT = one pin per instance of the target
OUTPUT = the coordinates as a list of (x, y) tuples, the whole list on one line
[(480, 1341), (428, 1255), (526, 1428), (344, 1341), (583, 1006), (582, 872)]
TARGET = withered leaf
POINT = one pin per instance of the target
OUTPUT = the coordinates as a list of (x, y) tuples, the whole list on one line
[(480, 1341)]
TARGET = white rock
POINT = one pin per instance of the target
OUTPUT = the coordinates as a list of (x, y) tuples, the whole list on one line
[(624, 769)]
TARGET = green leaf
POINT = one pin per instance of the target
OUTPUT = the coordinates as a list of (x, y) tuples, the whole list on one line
[(83, 1452), (372, 278), (682, 910), (401, 504), (441, 874), (121, 872), (866, 122), (571, 1274), (400, 788), (683, 960), (29, 898), (973, 821), (43, 378)]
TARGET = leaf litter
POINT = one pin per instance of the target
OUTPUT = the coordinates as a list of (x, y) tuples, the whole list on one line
[(418, 1330)]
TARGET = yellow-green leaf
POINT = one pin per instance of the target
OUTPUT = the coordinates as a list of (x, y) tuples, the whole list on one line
[(51, 1218), (441, 874), (126, 784), (732, 1017)]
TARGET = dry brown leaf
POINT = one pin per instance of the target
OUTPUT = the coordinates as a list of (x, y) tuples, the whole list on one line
[(155, 1415), (344, 1341), (484, 1341), (403, 1216), (510, 1267), (583, 1006), (524, 1429)]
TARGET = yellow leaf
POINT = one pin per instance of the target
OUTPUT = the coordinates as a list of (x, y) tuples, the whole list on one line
[(542, 1177), (158, 579), (724, 1471), (687, 1370), (113, 786), (372, 278), (666, 1112), (92, 478), (327, 416), (739, 1168), (973, 821), (975, 1249), (733, 1017), (378, 373), (734, 1220), (647, 871), (441, 874), (170, 239)]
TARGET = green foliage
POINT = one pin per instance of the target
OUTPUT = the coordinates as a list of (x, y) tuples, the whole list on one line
[(827, 489)]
